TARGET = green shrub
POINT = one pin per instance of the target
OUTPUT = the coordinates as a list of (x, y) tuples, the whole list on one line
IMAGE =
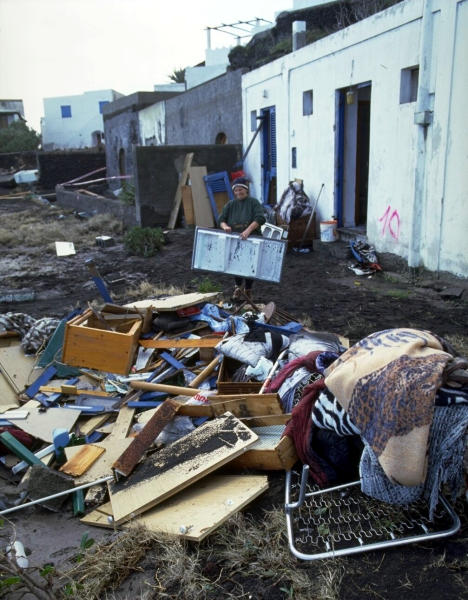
[(206, 285), (127, 194), (144, 241)]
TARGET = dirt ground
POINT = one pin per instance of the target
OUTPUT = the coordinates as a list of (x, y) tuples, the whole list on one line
[(318, 288)]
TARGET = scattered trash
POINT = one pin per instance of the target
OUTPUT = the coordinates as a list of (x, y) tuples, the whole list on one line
[(64, 248)]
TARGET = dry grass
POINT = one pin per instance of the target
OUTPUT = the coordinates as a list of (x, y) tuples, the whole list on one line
[(459, 342), (34, 230), (145, 290), (306, 321)]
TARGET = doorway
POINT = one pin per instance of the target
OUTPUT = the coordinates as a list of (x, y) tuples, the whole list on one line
[(352, 155), (269, 155)]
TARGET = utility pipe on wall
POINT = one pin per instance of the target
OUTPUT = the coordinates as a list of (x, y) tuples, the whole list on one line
[(423, 119)]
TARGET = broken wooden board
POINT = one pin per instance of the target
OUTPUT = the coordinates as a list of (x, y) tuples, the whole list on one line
[(179, 465), (195, 512), (187, 203), (114, 445), (41, 423), (83, 459), (201, 202), (247, 405), (173, 303), (87, 425), (270, 452), (17, 368), (163, 415), (178, 195), (206, 342)]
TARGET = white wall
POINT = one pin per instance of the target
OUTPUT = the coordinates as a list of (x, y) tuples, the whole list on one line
[(76, 131), (375, 50), (152, 122)]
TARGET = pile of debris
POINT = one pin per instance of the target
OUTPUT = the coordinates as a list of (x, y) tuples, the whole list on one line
[(128, 406), (144, 411)]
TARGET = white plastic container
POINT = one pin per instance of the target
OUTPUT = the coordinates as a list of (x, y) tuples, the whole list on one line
[(328, 231)]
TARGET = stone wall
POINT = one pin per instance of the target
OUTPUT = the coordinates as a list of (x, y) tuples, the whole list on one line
[(59, 167), (157, 169)]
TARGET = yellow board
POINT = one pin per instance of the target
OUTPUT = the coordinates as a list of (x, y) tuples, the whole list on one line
[(195, 512)]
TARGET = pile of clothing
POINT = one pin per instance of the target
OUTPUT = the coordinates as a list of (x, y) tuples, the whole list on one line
[(390, 411)]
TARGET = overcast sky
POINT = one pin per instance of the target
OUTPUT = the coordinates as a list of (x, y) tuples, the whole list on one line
[(65, 47)]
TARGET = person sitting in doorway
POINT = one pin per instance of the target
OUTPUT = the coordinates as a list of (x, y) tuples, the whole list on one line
[(245, 215)]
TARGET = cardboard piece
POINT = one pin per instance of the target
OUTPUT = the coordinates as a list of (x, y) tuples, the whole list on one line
[(17, 368), (201, 202), (173, 303)]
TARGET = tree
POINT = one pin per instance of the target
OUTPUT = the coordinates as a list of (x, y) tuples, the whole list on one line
[(177, 76), (18, 137)]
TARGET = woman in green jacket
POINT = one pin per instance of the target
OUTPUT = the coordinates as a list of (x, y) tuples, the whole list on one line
[(245, 215)]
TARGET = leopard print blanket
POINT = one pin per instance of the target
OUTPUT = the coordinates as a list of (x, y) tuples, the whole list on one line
[(387, 383)]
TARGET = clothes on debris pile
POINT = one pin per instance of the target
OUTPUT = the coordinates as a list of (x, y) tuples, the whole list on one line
[(294, 203), (34, 333), (250, 347)]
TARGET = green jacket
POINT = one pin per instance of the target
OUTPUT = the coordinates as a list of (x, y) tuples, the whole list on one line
[(238, 214)]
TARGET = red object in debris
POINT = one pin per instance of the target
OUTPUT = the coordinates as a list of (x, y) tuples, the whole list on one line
[(188, 311), (23, 437)]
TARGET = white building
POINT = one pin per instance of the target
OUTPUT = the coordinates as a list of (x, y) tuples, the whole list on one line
[(375, 112), (75, 121)]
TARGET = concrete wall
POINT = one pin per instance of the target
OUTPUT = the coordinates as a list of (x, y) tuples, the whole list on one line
[(18, 160), (75, 131), (152, 125), (201, 113), (157, 171), (59, 167), (417, 175)]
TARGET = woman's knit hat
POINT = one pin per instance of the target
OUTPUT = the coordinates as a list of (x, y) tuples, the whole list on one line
[(240, 182)]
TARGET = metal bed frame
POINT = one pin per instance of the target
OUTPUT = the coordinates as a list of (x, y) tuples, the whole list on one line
[(341, 520)]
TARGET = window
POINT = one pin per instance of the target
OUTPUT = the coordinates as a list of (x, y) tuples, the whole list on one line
[(253, 120), (66, 111), (294, 157), (308, 102), (409, 85), (102, 103)]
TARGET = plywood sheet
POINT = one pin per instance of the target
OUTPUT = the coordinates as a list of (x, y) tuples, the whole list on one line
[(177, 466), (17, 368), (8, 396), (201, 202), (174, 302), (42, 424), (195, 512)]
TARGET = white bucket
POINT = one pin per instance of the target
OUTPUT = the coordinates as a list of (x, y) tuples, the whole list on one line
[(328, 231)]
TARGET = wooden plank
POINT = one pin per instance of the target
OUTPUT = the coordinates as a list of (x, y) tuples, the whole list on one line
[(82, 461), (163, 415), (265, 420), (116, 443), (17, 368), (187, 202), (173, 303), (87, 425), (161, 387), (206, 342), (249, 405), (195, 512), (178, 195), (72, 390), (179, 465), (201, 202), (42, 424)]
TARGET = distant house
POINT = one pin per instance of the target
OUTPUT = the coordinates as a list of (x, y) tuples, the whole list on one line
[(75, 121), (10, 111), (123, 130), (375, 112)]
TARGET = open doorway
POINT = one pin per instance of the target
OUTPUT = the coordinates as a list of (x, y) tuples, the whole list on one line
[(352, 156), (269, 155)]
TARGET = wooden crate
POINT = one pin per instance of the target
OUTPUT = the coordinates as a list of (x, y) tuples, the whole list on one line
[(88, 344), (228, 387), (270, 453), (296, 230)]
